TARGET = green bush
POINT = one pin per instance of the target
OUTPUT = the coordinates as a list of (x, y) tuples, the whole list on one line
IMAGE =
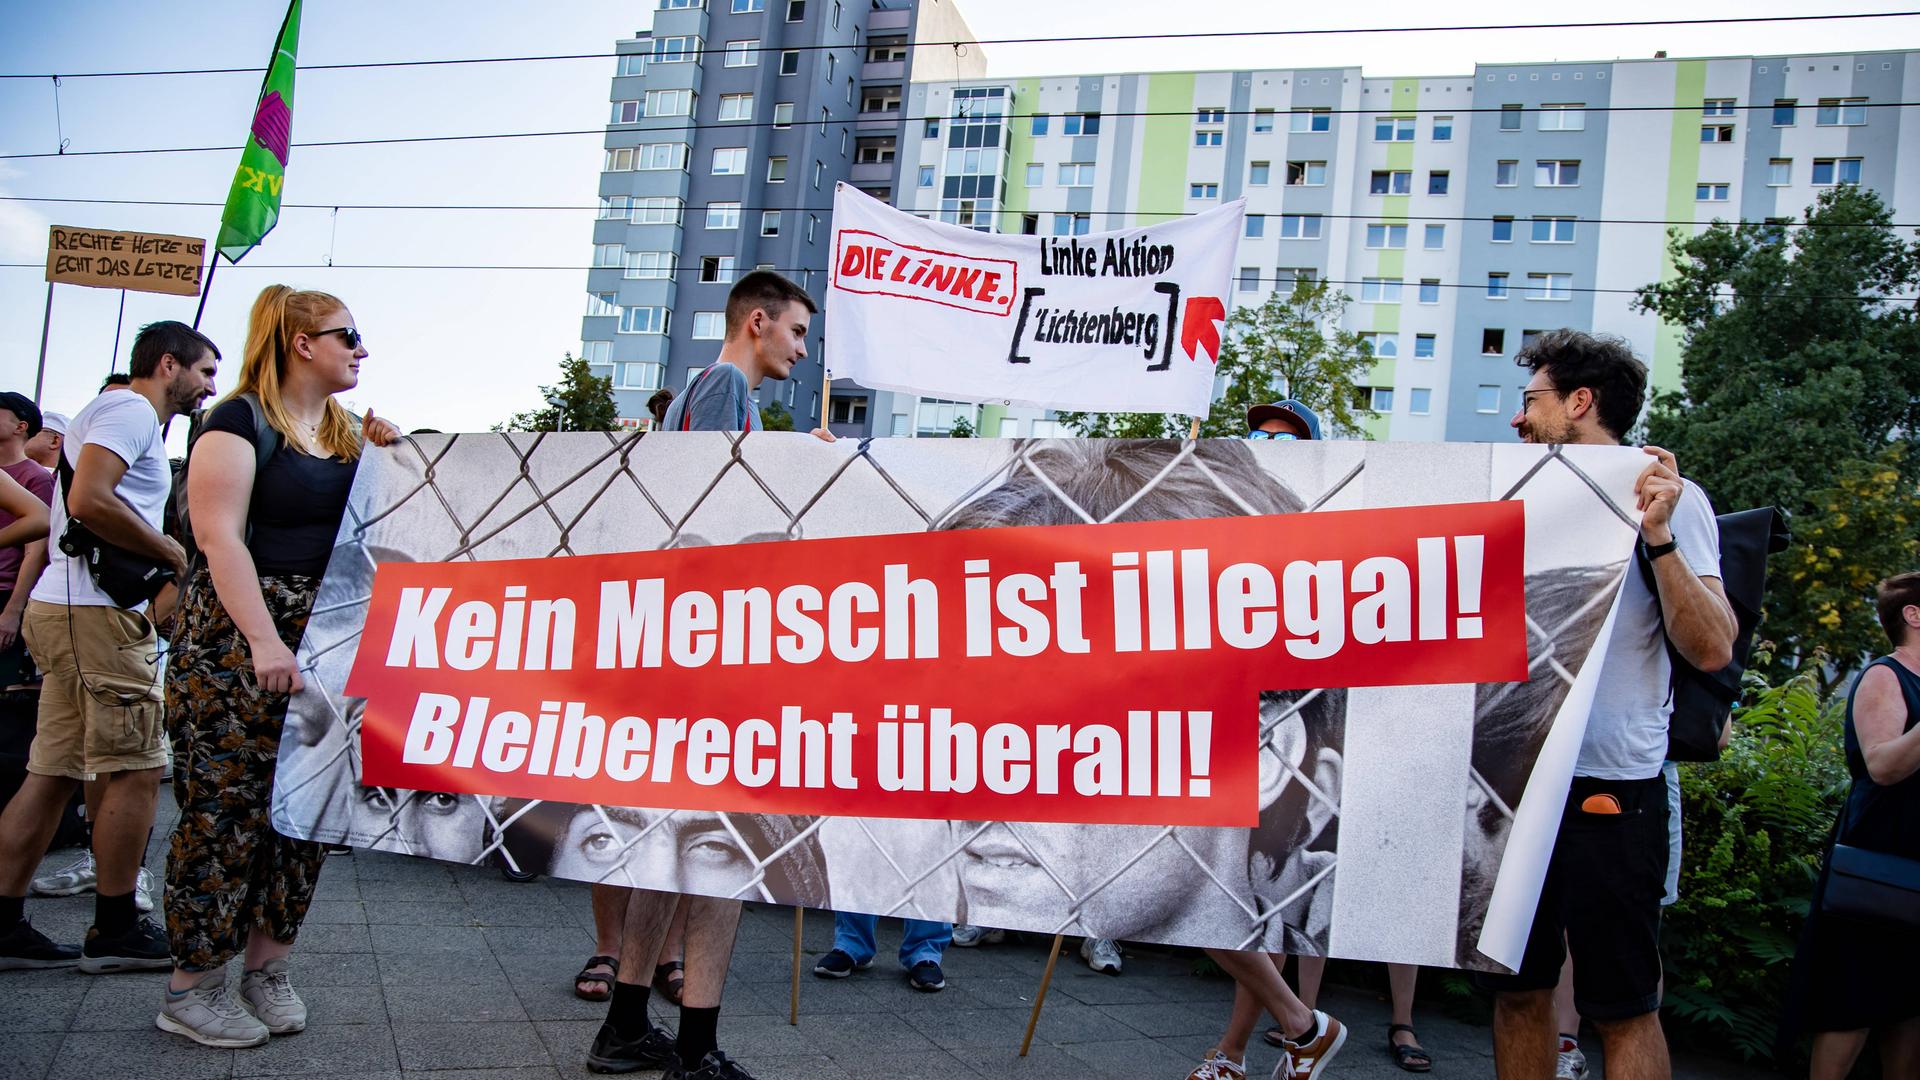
[(1756, 825)]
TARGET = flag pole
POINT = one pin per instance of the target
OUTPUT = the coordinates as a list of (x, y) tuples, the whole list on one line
[(205, 289), (46, 321), (113, 358), (1040, 998)]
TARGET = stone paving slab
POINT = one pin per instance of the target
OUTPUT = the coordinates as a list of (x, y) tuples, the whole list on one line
[(415, 970)]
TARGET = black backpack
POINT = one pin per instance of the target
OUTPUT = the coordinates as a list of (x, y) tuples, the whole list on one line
[(1702, 701)]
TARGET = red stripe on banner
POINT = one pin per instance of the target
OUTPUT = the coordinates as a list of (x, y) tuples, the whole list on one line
[(1085, 673)]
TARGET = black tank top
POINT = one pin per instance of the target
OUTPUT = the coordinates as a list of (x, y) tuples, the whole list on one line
[(1883, 817)]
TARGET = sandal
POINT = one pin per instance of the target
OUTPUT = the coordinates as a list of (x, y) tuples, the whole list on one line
[(591, 985), (1410, 1056), (667, 979)]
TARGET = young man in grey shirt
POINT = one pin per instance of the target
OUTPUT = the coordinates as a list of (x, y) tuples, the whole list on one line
[(1601, 898), (767, 321)]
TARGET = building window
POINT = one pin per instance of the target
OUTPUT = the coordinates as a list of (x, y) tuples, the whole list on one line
[(1419, 401), (1830, 171), (1424, 346), (1493, 342), (1210, 116), (1436, 238), (1256, 226), (1203, 191), (1300, 226), (736, 106), (730, 161), (1377, 398), (1487, 400), (601, 303), (1553, 230), (614, 207), (1437, 182), (597, 353), (1029, 224), (1429, 290), (1258, 172), (1841, 112), (1710, 192), (626, 112), (1072, 224), (1506, 173), (826, 118), (1375, 290), (1502, 230), (1779, 172), (932, 130), (631, 64), (642, 376), (747, 7), (813, 225), (1496, 285), (1556, 174), (831, 61), (1443, 129), (1716, 133), (643, 320), (1382, 182), (656, 210), (769, 223), (608, 255), (1563, 117), (1036, 174), (796, 10), (1717, 107), (1262, 120), (669, 103), (1387, 237), (776, 170), (1080, 124), (1549, 286), (1304, 121), (676, 50), (716, 269), (659, 156), (743, 53), (847, 410), (1785, 112), (888, 53), (1038, 128), (1208, 138), (650, 264), (723, 215), (1393, 129), (709, 325), (1306, 173), (783, 114), (819, 170), (1509, 118), (1249, 278), (1289, 278), (836, 16), (1382, 346), (1076, 174), (790, 62)]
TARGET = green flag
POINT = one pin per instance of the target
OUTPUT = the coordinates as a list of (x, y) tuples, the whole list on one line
[(253, 206)]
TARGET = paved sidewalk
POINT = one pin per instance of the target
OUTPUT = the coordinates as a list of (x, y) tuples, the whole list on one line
[(419, 969)]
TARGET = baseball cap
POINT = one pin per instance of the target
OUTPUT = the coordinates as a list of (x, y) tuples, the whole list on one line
[(1289, 409), (23, 407), (55, 422)]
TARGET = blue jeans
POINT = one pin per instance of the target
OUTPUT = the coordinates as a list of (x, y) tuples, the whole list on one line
[(853, 935)]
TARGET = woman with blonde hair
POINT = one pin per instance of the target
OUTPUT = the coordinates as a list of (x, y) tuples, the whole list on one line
[(267, 484)]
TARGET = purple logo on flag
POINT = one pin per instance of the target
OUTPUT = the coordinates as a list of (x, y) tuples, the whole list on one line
[(273, 126)]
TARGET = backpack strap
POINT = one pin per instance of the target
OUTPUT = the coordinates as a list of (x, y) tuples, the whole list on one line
[(686, 411)]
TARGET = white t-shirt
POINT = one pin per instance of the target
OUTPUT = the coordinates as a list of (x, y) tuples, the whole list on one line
[(125, 423), (1627, 730)]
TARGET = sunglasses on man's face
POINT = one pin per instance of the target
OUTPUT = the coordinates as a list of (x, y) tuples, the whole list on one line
[(347, 334), (1277, 436)]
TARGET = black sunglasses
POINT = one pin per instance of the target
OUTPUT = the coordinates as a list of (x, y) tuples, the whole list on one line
[(347, 334)]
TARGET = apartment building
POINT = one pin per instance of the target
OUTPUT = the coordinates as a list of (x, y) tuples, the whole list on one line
[(1460, 213)]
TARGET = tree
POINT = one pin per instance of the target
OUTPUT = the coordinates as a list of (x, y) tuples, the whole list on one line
[(1800, 388), (962, 427), (1291, 345), (775, 417), (586, 402)]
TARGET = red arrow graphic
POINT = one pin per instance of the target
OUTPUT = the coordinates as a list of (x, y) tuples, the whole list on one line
[(1198, 329)]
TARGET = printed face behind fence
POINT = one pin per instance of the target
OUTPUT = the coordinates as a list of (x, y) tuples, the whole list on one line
[(1271, 886)]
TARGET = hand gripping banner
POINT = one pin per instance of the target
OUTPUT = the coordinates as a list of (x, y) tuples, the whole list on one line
[(1319, 696)]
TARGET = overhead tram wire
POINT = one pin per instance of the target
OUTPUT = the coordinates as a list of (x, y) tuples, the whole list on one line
[(1382, 219), (1192, 35), (742, 125)]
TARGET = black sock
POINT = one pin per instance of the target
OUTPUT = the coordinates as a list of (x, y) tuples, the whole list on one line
[(1307, 1036), (12, 910), (114, 915), (699, 1034), (627, 1011)]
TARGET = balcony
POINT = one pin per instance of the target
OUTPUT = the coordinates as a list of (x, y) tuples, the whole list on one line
[(879, 120), (885, 71), (872, 173), (897, 19)]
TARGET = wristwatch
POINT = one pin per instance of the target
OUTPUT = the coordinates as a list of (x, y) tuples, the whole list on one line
[(1654, 551)]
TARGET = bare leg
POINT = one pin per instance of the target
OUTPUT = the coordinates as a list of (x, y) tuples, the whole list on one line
[(675, 947), (1564, 1013), (1524, 1047), (1257, 973), (1246, 1016), (1401, 980), (1900, 1048), (648, 913), (1834, 1053), (261, 949), (1636, 1048), (120, 832), (27, 827), (609, 916), (1312, 969), (711, 924)]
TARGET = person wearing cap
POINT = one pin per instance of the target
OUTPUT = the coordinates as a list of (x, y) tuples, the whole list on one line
[(20, 565), (1284, 420), (44, 449)]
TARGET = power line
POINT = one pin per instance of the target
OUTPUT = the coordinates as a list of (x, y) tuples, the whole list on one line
[(1383, 112), (1382, 218), (1179, 36)]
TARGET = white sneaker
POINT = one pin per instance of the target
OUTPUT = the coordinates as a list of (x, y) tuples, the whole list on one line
[(1218, 1066), (268, 994), (143, 892), (966, 936), (1571, 1066), (208, 1015), (1101, 954), (70, 880)]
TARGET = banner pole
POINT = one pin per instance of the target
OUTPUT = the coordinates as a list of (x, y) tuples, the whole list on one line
[(1039, 999), (793, 1011), (826, 398), (113, 360), (46, 320), (1193, 429), (206, 290)]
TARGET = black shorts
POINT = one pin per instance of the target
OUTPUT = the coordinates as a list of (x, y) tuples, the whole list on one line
[(1601, 900)]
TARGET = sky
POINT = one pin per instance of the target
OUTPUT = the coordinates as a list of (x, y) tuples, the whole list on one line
[(460, 350)]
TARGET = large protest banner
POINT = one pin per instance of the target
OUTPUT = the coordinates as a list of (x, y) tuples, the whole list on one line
[(1320, 697), (1122, 321)]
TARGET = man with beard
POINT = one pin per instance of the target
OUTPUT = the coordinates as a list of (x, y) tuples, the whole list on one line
[(101, 708)]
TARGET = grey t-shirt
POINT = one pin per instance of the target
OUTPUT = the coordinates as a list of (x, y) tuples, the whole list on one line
[(1627, 730), (718, 400)]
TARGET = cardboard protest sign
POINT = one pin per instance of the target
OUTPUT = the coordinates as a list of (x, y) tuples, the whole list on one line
[(1320, 697), (137, 261), (1125, 321)]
